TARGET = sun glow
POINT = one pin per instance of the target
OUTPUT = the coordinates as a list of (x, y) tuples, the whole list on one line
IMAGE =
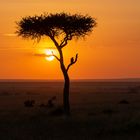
[(49, 54)]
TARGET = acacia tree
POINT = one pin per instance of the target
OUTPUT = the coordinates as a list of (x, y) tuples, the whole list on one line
[(60, 28)]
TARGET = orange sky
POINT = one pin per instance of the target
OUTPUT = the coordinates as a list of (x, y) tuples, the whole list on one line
[(111, 51)]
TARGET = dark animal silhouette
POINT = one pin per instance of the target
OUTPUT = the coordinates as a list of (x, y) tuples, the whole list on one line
[(29, 103), (50, 103)]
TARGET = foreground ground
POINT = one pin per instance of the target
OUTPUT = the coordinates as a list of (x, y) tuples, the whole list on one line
[(100, 111)]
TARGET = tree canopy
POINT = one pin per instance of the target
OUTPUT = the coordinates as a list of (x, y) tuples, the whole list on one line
[(55, 25)]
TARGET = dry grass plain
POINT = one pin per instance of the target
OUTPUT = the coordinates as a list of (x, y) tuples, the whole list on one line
[(101, 110)]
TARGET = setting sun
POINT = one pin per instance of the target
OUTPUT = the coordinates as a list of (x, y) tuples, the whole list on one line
[(49, 53)]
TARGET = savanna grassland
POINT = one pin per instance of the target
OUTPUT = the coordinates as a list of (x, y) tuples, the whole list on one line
[(100, 110)]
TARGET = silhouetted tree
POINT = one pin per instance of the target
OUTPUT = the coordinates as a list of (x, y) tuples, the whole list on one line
[(60, 28)]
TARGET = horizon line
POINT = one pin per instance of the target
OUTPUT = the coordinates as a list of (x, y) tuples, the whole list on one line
[(82, 79)]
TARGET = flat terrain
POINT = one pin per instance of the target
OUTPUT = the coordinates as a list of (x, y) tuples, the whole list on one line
[(107, 110)]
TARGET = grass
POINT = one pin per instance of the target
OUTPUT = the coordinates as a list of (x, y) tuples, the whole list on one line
[(95, 116)]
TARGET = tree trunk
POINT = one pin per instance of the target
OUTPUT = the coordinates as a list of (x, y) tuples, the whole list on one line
[(66, 94), (66, 103)]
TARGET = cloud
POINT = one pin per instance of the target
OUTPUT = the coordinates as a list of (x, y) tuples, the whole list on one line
[(40, 55), (9, 35)]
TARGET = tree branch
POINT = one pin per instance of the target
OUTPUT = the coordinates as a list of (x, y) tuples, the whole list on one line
[(73, 61), (65, 40), (55, 56), (63, 43), (54, 41)]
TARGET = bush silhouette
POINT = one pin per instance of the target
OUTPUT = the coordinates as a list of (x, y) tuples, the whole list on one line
[(123, 102), (29, 103)]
